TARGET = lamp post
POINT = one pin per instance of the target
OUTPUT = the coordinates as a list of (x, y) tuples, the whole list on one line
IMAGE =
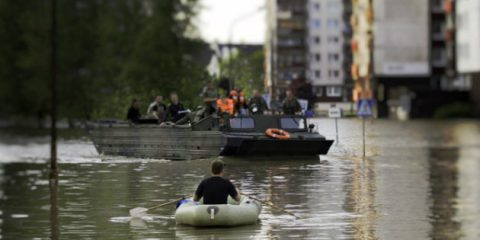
[(230, 39), (53, 91)]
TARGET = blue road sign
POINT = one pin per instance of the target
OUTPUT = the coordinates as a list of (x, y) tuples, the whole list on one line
[(365, 107)]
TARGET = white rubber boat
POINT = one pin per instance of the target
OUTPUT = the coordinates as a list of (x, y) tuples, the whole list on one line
[(224, 215)]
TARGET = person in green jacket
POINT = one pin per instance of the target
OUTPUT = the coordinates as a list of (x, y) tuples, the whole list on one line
[(291, 106)]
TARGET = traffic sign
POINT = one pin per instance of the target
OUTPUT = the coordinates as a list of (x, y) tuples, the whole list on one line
[(334, 112), (365, 107)]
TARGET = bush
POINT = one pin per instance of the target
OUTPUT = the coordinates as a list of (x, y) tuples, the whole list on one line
[(454, 110)]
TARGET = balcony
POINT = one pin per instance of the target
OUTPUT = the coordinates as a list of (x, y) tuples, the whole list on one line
[(439, 35), (439, 57), (291, 24), (437, 6), (293, 43)]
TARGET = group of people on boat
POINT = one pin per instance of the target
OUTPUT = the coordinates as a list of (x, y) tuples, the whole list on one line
[(158, 111), (232, 104)]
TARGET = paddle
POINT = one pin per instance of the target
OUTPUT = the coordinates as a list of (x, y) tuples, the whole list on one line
[(139, 212), (271, 205)]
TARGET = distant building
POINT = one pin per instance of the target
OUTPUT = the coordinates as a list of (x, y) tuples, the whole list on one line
[(414, 54), (306, 49), (468, 46), (286, 44), (329, 54), (361, 21)]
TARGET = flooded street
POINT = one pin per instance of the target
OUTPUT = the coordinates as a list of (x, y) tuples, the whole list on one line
[(420, 180)]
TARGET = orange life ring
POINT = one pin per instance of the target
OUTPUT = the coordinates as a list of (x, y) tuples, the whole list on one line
[(277, 133)]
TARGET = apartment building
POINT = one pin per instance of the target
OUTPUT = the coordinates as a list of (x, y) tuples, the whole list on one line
[(468, 46), (328, 49), (308, 45), (286, 45)]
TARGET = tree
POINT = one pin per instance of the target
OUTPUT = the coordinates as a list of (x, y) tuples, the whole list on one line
[(110, 51), (247, 69)]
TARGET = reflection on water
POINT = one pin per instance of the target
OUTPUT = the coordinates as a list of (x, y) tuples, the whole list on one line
[(420, 181), (54, 223)]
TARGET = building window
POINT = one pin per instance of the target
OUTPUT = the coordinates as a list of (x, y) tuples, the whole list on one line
[(317, 6), (437, 4), (333, 39), (299, 58), (333, 7), (316, 40), (333, 57), (316, 23), (334, 91), (317, 74), (439, 55), (332, 23), (318, 91), (318, 57), (438, 29), (333, 73)]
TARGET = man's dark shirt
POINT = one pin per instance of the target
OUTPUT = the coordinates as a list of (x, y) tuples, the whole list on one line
[(291, 106), (173, 110), (215, 190), (258, 102), (133, 115)]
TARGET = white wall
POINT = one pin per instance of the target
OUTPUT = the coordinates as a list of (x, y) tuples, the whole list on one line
[(401, 38), (468, 36)]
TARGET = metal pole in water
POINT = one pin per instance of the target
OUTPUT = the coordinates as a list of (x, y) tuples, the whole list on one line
[(336, 129), (53, 91), (363, 136)]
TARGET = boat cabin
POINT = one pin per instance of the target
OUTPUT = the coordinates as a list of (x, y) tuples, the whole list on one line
[(260, 123)]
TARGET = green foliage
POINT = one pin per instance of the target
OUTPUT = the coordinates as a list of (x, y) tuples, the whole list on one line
[(109, 52), (454, 110), (247, 70)]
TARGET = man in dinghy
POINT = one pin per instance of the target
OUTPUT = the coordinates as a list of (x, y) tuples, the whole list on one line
[(216, 189)]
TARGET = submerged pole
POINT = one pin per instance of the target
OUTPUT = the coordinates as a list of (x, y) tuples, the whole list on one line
[(53, 91), (363, 137)]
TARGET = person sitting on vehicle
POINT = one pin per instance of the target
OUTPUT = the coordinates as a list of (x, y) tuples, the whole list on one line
[(175, 110), (209, 95), (193, 117), (225, 106), (241, 106), (291, 106), (133, 114), (216, 189), (276, 105), (257, 104), (234, 97), (157, 109)]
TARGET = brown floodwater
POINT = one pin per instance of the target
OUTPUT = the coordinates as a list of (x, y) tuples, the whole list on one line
[(420, 180)]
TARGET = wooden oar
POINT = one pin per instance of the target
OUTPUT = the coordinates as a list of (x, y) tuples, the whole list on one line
[(139, 212), (271, 205)]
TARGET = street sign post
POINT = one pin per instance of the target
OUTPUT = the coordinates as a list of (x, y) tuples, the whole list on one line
[(335, 112), (365, 111)]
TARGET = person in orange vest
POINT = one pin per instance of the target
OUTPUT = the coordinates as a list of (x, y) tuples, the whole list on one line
[(225, 105), (234, 97)]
